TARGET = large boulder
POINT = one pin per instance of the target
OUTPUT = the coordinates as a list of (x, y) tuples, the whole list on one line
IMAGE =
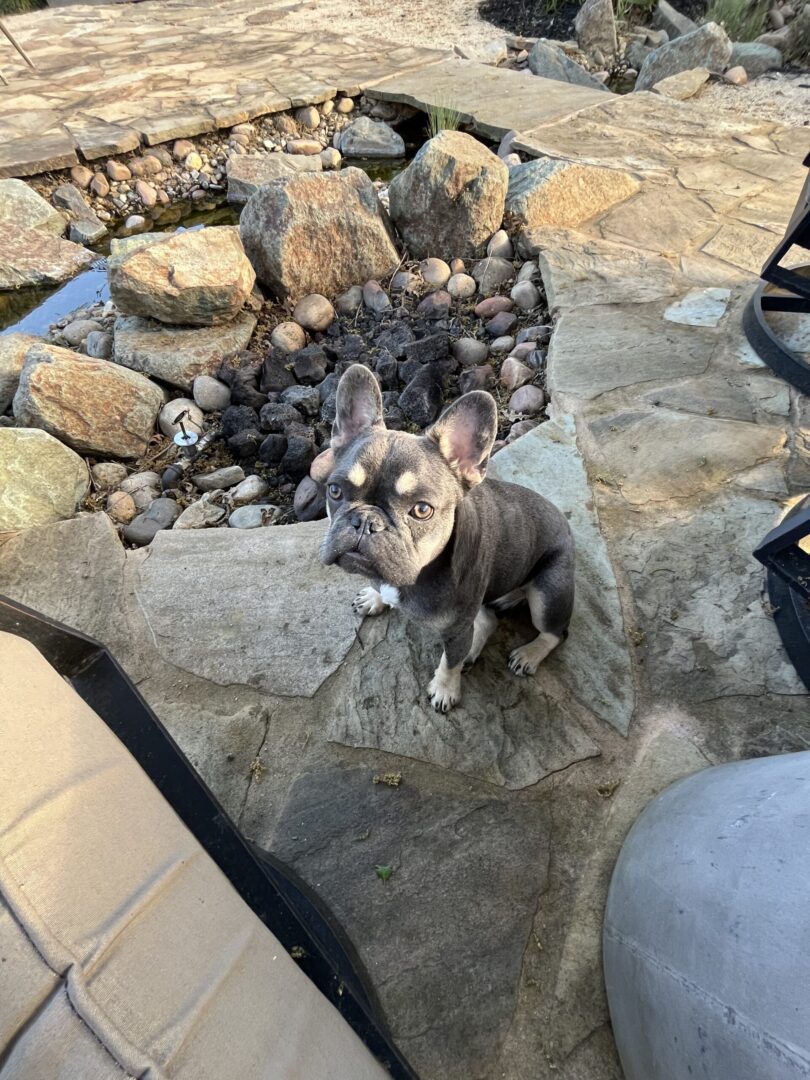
[(367, 138), (666, 17), (35, 257), (195, 278), (563, 193), (85, 227), (450, 199), (248, 172), (317, 233), (92, 405), (595, 27), (13, 348), (550, 62), (20, 205), (178, 354), (40, 479), (707, 47), (755, 57)]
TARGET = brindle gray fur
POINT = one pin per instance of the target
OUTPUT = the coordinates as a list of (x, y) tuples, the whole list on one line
[(488, 545)]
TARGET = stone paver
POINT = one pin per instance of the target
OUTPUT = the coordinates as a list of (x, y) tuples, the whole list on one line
[(109, 77)]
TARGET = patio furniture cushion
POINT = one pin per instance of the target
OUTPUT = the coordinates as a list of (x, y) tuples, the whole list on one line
[(127, 951)]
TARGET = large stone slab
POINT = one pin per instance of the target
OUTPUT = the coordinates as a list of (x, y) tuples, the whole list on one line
[(248, 172), (656, 455), (546, 460), (36, 154), (20, 205), (34, 257), (506, 731), (596, 349), (447, 930), (13, 348), (580, 270), (178, 354), (41, 480), (274, 617), (563, 193), (94, 406), (663, 219)]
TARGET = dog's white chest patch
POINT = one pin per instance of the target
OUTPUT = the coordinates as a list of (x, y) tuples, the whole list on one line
[(390, 595)]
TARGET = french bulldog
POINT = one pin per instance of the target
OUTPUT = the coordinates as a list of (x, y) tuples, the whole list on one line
[(415, 514)]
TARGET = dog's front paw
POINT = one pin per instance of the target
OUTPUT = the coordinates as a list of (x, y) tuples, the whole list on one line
[(444, 691), (368, 602)]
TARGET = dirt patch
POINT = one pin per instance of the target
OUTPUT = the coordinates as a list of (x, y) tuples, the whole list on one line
[(778, 96), (532, 19)]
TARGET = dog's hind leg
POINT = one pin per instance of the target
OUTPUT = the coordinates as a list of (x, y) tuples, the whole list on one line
[(551, 599)]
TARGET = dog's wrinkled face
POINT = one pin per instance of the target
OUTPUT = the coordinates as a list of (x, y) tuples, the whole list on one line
[(392, 496)]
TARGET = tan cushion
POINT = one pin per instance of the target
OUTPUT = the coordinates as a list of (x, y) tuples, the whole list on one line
[(156, 953)]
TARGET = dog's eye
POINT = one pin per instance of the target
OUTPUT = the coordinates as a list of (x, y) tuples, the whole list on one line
[(422, 511), (335, 491)]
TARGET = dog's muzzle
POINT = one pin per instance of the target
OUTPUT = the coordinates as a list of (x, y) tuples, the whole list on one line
[(348, 536)]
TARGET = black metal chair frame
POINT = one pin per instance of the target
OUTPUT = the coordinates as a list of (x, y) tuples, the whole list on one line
[(275, 893)]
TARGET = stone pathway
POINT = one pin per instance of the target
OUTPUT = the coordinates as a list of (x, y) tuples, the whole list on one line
[(110, 77), (673, 451)]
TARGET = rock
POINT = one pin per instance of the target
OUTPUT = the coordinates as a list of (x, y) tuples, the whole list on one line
[(298, 456), (248, 490), (427, 349), (457, 266), (490, 274), (470, 352), (309, 366), (514, 374), (40, 479), (505, 145), (461, 286), (31, 257), (737, 76), (683, 85), (273, 448), (277, 416), (537, 334), (344, 105), (210, 395), (303, 146), (92, 405), (502, 345), (250, 517), (121, 507), (348, 302), (666, 18), (140, 481), (193, 161), (220, 478), (146, 193), (492, 305), (367, 138), (81, 176), (100, 185), (707, 47), (797, 37), (13, 348), (304, 398), (595, 27), (25, 208), (99, 345), (289, 337), (330, 158), (308, 117), (501, 246), (755, 57), (182, 148), (552, 63), (375, 298), (421, 399), (117, 171), (178, 354), (528, 400), (526, 295), (169, 423), (309, 502), (202, 514), (247, 172), (435, 272), (314, 313), (195, 278), (436, 305), (274, 375), (347, 230), (563, 193), (501, 324), (161, 515), (238, 418), (135, 221), (76, 332), (522, 427), (108, 474), (449, 201), (476, 378)]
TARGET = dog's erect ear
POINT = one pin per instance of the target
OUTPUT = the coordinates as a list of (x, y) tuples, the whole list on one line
[(465, 433), (359, 407)]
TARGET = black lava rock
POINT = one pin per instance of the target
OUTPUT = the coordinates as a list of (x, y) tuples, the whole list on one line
[(298, 458), (309, 365), (238, 418), (273, 449), (275, 376), (395, 339), (421, 399), (246, 443), (387, 370), (426, 349), (329, 408), (346, 351), (328, 386), (304, 398), (275, 417)]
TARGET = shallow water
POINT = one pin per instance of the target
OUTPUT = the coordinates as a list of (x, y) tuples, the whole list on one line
[(33, 311)]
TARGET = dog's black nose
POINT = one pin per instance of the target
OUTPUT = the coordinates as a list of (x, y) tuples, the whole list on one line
[(367, 522)]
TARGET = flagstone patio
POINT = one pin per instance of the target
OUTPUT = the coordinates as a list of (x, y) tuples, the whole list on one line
[(673, 451)]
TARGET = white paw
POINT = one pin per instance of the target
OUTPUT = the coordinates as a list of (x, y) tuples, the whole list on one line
[(524, 661), (368, 602), (444, 691)]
